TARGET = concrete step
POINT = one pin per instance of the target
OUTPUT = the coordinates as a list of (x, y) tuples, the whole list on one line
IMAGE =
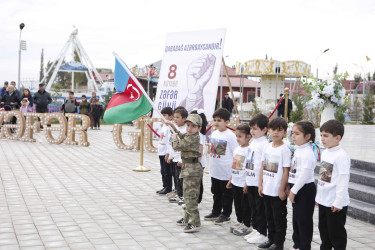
[(363, 165), (362, 211), (362, 193), (362, 177)]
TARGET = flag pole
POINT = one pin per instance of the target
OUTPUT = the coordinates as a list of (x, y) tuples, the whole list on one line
[(141, 88), (142, 168)]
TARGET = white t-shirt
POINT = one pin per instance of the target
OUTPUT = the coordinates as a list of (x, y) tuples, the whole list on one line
[(333, 178), (175, 155), (223, 145), (203, 143), (164, 139), (254, 160), (238, 166), (274, 160), (302, 168)]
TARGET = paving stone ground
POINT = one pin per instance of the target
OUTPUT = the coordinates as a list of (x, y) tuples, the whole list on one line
[(70, 197)]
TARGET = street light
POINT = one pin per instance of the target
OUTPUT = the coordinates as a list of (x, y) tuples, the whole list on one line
[(22, 25), (317, 74)]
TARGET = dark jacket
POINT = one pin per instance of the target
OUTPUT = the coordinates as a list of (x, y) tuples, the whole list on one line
[(228, 104), (41, 101), (84, 108), (3, 91), (8, 98), (18, 93), (30, 98), (282, 106)]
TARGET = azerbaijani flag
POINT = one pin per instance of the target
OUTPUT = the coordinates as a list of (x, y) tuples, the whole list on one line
[(130, 102)]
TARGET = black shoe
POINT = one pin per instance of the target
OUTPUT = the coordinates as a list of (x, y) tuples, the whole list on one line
[(191, 228), (164, 191), (181, 222), (222, 220), (211, 217), (276, 247), (158, 192), (265, 245)]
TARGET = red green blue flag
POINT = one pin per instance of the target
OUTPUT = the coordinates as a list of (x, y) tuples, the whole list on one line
[(130, 102)]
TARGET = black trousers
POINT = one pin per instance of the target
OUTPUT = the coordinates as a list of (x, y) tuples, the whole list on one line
[(332, 228), (241, 205), (303, 211), (166, 175), (201, 191), (223, 197), (276, 212), (176, 170), (258, 215)]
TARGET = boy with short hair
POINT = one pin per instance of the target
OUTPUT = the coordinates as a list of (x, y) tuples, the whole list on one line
[(70, 104), (237, 182), (179, 116), (165, 169), (332, 193), (258, 128), (223, 144), (191, 171), (273, 178)]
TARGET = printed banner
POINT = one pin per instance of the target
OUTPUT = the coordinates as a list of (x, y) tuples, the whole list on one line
[(190, 71)]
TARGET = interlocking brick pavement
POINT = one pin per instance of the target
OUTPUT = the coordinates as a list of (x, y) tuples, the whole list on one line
[(71, 197)]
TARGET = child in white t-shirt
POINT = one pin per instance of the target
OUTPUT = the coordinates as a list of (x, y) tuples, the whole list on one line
[(258, 129), (165, 168), (223, 144), (179, 116), (301, 182), (237, 181), (332, 192), (273, 179), (203, 147)]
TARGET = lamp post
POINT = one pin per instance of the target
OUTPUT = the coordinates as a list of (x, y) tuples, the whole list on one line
[(317, 71), (148, 78), (22, 25), (221, 84)]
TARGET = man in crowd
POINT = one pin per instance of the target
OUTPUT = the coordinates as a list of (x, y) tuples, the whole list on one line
[(227, 103), (41, 99), (4, 89), (18, 93)]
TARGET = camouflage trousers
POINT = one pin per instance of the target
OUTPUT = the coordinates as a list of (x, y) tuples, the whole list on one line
[(191, 187)]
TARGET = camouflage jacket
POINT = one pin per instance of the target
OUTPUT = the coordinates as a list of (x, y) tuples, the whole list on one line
[(189, 145)]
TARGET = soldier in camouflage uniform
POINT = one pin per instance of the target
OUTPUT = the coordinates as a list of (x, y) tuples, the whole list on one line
[(191, 171)]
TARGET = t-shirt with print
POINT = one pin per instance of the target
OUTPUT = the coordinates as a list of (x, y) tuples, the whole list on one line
[(254, 160), (274, 160), (334, 173), (223, 145), (203, 143), (164, 139), (238, 166), (303, 157)]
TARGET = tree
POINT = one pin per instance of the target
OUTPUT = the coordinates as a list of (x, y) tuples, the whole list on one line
[(41, 74), (255, 110), (368, 76), (79, 78), (335, 69), (266, 57), (63, 78), (298, 114), (373, 76), (368, 104)]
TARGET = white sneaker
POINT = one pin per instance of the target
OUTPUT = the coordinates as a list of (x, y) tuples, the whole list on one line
[(243, 230), (183, 206), (252, 234), (257, 239), (235, 226)]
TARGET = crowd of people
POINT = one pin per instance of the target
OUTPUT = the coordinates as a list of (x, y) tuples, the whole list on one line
[(12, 99), (257, 171)]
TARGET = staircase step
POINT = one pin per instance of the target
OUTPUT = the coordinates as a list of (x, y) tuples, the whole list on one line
[(363, 165), (362, 192), (362, 211), (362, 177)]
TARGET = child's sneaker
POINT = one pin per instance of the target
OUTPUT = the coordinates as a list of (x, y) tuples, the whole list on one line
[(211, 217), (181, 222), (243, 230), (191, 228), (253, 233), (174, 199), (222, 220), (171, 194), (235, 226), (181, 202)]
